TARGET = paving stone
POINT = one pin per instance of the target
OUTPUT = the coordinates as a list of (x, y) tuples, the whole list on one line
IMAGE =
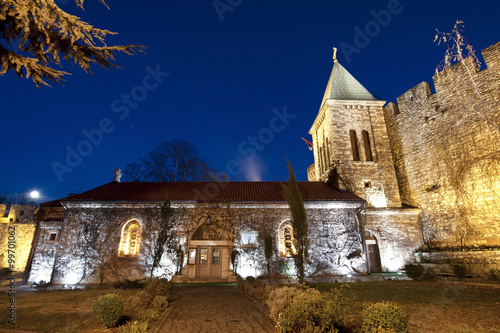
[(213, 309)]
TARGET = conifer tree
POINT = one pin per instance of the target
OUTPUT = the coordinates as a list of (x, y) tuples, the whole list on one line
[(299, 222), (266, 237), (165, 235), (37, 34)]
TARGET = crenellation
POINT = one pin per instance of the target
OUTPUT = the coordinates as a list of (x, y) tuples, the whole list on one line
[(491, 57), (434, 136)]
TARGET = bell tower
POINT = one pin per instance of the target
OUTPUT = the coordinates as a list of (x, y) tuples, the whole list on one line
[(350, 141)]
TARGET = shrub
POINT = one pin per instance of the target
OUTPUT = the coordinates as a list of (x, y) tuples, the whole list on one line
[(306, 310), (154, 295), (148, 314), (108, 309), (493, 274), (429, 275), (5, 273), (134, 327), (41, 285), (384, 317), (460, 271), (128, 284), (240, 283), (158, 287), (250, 279), (414, 271)]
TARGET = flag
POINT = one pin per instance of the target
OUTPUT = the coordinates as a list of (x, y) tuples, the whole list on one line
[(309, 145)]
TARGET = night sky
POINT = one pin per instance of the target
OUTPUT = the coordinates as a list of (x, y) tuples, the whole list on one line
[(213, 78)]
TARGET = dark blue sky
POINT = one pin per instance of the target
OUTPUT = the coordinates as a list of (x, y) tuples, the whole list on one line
[(227, 71)]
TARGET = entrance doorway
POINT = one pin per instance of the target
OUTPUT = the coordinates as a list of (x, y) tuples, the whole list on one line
[(373, 254), (209, 256), (209, 263)]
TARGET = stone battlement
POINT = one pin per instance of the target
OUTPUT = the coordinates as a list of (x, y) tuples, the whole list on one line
[(440, 144), (455, 80), (17, 213)]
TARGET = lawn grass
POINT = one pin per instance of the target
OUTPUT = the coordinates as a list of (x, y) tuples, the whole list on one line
[(60, 310), (438, 306)]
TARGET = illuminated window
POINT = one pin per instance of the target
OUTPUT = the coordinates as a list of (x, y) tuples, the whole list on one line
[(354, 145), (192, 257), (216, 256), (288, 236), (130, 239), (248, 238), (368, 148), (287, 248)]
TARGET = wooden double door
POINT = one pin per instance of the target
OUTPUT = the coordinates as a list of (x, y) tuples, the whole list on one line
[(209, 261)]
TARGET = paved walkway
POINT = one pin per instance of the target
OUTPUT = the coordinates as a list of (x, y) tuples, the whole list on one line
[(214, 310)]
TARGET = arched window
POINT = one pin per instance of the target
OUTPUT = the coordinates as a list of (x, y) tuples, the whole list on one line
[(325, 160), (368, 148), (354, 145), (328, 160), (130, 239), (288, 240), (287, 248), (321, 162)]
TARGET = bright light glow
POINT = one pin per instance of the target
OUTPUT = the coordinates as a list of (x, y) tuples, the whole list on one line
[(34, 194), (72, 277), (378, 201)]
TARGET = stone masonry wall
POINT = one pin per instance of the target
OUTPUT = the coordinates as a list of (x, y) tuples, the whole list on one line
[(17, 229), (446, 150), (478, 263), (398, 235), (334, 235), (375, 180), (22, 236), (45, 251)]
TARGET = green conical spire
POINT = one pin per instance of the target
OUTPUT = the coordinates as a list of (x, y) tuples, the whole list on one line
[(343, 86)]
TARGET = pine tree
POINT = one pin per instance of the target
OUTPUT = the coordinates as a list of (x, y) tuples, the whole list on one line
[(299, 222), (38, 33)]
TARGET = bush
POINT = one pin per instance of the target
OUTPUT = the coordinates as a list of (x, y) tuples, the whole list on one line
[(306, 310), (108, 309), (128, 284), (147, 315), (493, 274), (384, 317), (240, 283), (134, 327), (460, 271), (429, 275), (159, 287), (414, 272), (5, 273), (250, 279), (153, 296), (41, 285)]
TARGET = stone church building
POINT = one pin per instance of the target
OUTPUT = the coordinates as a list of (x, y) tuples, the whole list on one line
[(384, 185)]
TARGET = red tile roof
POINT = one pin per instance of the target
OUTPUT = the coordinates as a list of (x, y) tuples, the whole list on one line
[(209, 192)]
